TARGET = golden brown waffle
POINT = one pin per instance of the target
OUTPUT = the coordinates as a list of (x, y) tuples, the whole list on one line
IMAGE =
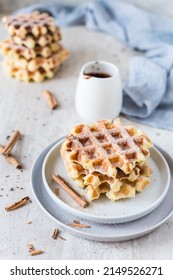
[(97, 183), (127, 189), (43, 40), (26, 76), (10, 49), (38, 62), (104, 146), (36, 23), (107, 157), (32, 29)]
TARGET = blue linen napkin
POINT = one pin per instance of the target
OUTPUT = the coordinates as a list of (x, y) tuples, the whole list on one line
[(148, 92)]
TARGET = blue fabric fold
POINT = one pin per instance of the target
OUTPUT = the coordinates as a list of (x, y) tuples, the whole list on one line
[(148, 92)]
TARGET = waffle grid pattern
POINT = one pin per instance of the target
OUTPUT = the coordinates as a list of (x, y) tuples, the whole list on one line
[(33, 52), (107, 157)]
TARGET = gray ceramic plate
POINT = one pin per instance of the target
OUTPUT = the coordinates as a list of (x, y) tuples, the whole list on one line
[(103, 210), (97, 231)]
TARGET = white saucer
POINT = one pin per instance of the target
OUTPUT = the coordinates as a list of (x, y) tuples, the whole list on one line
[(100, 232), (103, 210)]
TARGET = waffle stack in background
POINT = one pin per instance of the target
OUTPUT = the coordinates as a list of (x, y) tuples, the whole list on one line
[(33, 52), (108, 158)]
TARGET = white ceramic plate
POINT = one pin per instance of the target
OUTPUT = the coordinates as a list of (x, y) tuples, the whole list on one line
[(103, 210), (99, 232)]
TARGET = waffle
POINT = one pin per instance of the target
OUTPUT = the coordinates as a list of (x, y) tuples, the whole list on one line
[(115, 188), (107, 157), (38, 62), (29, 30), (43, 40), (43, 21), (10, 49), (33, 52), (127, 189), (104, 146), (27, 76)]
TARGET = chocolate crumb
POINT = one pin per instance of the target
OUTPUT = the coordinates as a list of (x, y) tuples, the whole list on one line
[(8, 137), (12, 189), (76, 221), (2, 189), (62, 238), (7, 176), (57, 191)]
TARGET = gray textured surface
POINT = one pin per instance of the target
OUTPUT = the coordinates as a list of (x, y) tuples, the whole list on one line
[(23, 107)]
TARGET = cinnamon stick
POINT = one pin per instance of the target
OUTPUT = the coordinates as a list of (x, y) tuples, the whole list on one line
[(1, 148), (78, 225), (80, 200), (36, 252), (11, 159), (18, 204), (51, 99), (55, 233), (12, 141)]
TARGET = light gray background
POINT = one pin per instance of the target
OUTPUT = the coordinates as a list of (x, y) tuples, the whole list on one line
[(23, 107)]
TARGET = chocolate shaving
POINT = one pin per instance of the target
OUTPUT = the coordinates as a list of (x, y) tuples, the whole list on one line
[(62, 237), (57, 192), (30, 248)]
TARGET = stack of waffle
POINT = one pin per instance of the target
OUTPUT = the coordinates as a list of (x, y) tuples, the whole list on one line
[(33, 52), (107, 158)]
